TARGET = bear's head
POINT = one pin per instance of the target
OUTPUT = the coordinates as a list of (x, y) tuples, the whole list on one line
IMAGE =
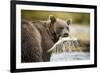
[(59, 27)]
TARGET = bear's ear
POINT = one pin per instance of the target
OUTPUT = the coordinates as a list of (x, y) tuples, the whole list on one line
[(69, 21), (52, 19)]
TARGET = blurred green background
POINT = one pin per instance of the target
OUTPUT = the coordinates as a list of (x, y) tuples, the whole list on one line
[(77, 18)]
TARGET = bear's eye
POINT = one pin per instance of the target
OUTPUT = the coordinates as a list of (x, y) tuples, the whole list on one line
[(67, 28), (61, 28)]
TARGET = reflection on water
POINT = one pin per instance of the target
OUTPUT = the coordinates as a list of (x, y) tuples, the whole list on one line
[(68, 56)]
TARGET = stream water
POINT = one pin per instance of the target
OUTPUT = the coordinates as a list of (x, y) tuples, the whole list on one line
[(66, 56)]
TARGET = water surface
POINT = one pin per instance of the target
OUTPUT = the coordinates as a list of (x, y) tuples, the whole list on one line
[(70, 56)]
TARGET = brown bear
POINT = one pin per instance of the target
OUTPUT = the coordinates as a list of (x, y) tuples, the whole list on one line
[(37, 37)]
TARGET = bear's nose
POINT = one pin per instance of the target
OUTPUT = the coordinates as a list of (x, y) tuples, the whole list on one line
[(65, 35)]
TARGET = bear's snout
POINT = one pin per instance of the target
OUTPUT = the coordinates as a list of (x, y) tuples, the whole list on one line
[(65, 35)]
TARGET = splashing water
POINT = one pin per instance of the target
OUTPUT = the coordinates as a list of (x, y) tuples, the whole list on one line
[(67, 44), (68, 49)]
